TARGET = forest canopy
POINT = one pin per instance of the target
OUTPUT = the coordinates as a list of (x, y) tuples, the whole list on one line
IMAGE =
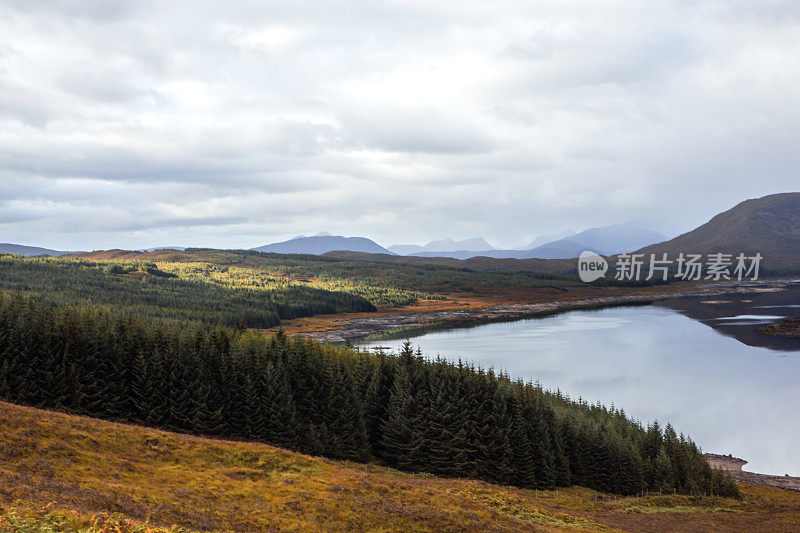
[(402, 410), (149, 292)]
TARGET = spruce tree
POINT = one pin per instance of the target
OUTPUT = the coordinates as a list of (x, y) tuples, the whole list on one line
[(397, 431)]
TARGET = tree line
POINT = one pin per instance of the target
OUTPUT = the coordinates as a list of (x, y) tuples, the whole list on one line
[(402, 410)]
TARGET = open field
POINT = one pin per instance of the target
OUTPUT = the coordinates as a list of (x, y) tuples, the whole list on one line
[(73, 470)]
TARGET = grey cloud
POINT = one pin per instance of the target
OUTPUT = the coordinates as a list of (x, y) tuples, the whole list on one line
[(401, 129), (124, 123), (279, 137), (100, 84), (97, 10), (23, 105), (108, 163)]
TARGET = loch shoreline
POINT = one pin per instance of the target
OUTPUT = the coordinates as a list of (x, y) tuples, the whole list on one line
[(788, 328), (398, 324)]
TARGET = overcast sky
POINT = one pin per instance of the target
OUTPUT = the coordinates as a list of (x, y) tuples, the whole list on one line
[(134, 124)]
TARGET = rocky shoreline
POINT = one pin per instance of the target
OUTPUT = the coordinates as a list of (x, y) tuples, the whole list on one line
[(733, 466), (780, 482), (363, 327), (788, 328)]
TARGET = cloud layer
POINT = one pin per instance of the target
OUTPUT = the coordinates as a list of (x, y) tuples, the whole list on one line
[(133, 124)]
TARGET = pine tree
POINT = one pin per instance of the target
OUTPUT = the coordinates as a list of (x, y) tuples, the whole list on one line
[(345, 420), (280, 413), (663, 474), (498, 465), (523, 463), (397, 432), (375, 402), (466, 420)]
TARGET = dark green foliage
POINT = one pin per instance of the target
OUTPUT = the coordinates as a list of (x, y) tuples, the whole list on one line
[(161, 295), (398, 425), (403, 410)]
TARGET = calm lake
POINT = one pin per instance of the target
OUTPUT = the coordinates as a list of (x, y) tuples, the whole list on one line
[(696, 363)]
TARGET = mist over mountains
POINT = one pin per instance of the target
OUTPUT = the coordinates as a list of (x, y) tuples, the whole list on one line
[(606, 240), (474, 244), (769, 225)]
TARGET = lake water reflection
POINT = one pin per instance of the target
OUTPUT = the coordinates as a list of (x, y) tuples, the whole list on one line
[(698, 364)]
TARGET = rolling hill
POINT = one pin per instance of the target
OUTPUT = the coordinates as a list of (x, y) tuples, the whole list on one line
[(769, 225), (29, 251), (63, 472), (480, 263), (320, 244), (157, 248)]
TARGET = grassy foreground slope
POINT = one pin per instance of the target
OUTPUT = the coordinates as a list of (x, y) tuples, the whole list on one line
[(71, 473)]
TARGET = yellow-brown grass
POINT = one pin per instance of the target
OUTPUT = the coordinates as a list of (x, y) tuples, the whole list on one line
[(478, 299), (84, 471)]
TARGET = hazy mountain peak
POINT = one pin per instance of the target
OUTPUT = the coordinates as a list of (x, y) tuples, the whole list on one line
[(544, 239), (606, 240), (29, 251), (474, 244), (320, 244), (451, 245), (319, 234)]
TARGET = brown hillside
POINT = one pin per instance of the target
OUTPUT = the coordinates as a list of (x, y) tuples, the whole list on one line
[(55, 465), (768, 225)]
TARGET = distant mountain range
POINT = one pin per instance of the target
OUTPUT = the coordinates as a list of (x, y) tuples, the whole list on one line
[(475, 244), (30, 251), (607, 240), (544, 239), (320, 244), (769, 225)]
